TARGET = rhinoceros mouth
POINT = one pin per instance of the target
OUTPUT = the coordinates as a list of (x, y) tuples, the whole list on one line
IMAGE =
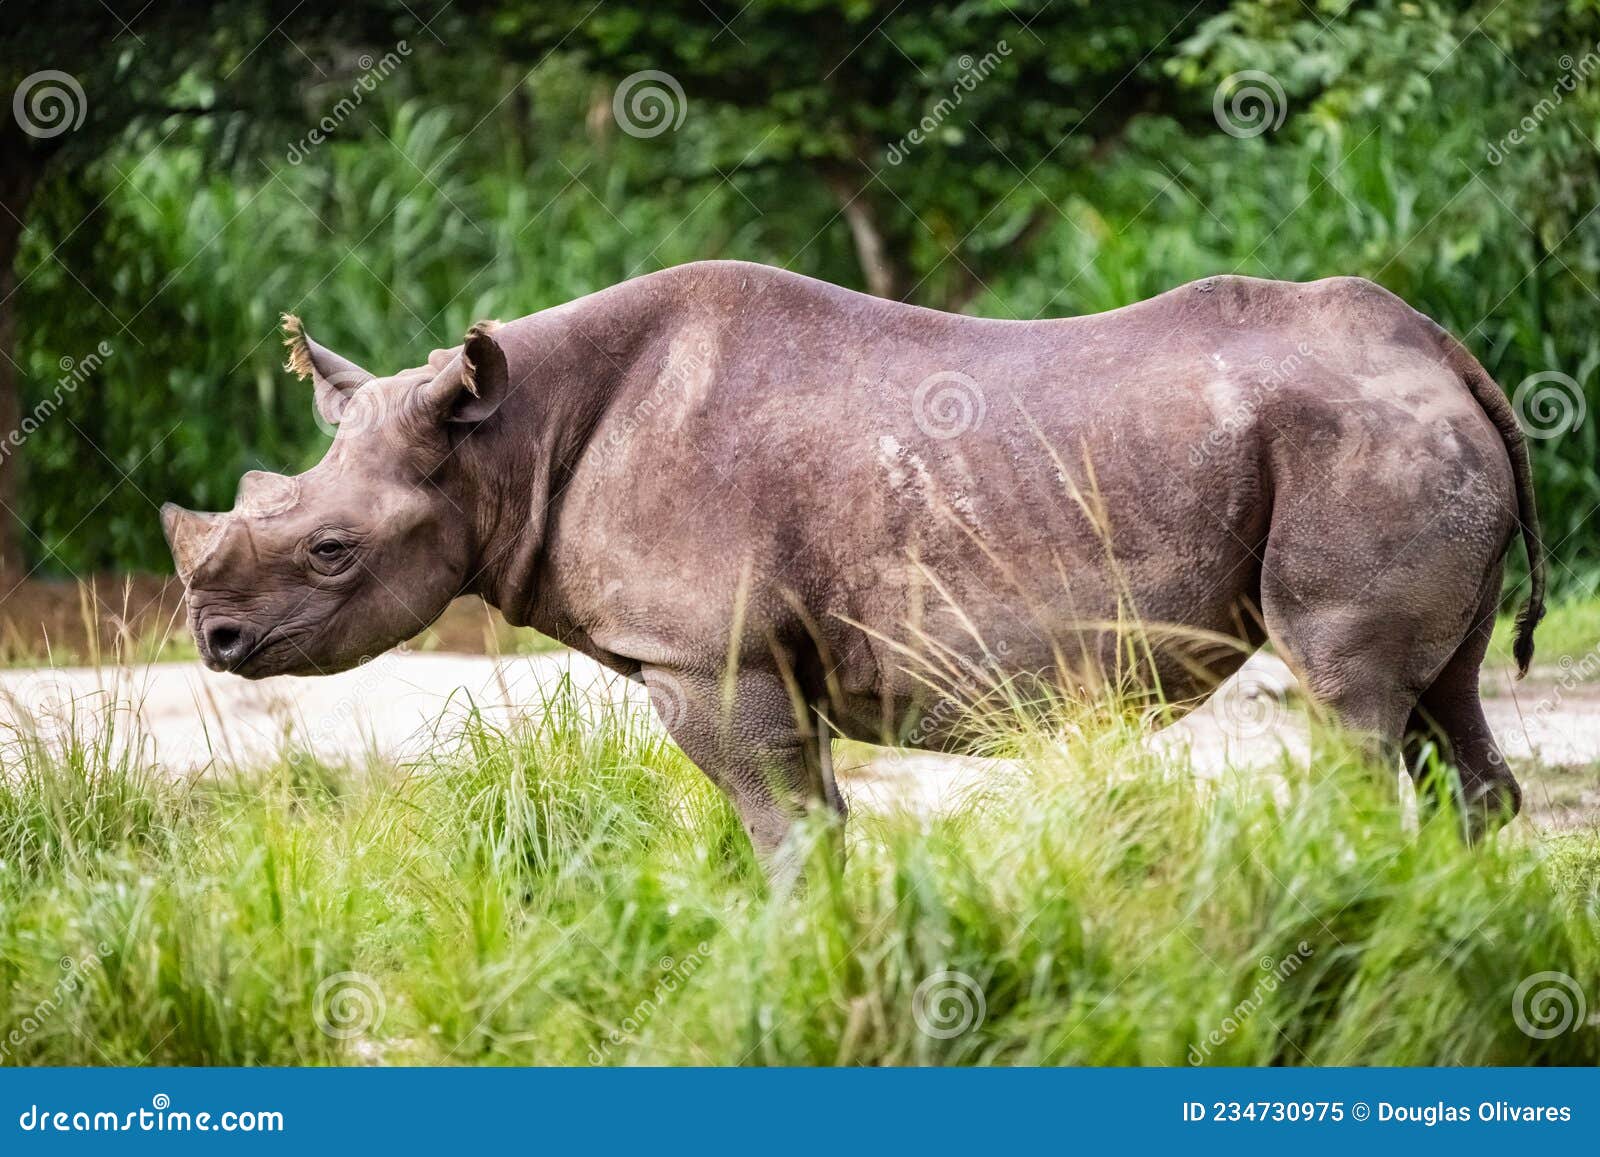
[(277, 652)]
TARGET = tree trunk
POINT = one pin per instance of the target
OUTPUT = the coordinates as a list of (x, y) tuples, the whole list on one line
[(18, 176), (884, 271)]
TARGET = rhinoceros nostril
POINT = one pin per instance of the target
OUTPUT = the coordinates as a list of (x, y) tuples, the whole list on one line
[(227, 644)]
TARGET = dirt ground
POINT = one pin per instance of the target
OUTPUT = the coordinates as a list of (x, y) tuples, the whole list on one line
[(194, 720)]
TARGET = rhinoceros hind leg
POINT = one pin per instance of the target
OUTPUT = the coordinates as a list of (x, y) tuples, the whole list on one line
[(1371, 585), (1354, 671), (1449, 715), (1395, 667)]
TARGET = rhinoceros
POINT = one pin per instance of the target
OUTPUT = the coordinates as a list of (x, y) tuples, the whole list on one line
[(794, 512)]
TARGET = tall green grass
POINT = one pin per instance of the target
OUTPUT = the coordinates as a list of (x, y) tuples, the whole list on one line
[(571, 891)]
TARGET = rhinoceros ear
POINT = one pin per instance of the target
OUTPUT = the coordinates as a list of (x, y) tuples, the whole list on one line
[(336, 379), (189, 534), (474, 383)]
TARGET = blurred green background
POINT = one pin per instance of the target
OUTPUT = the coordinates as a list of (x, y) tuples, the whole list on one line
[(489, 160)]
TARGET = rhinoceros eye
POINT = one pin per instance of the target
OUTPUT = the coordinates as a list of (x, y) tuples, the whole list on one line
[(330, 555)]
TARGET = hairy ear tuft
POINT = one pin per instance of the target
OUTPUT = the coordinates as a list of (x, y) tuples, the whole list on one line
[(334, 378), (474, 383), (470, 358), (294, 339)]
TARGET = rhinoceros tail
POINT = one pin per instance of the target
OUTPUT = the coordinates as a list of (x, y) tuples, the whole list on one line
[(1498, 408)]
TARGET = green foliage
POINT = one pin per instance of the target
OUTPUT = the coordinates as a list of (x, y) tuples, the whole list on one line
[(1083, 170), (141, 68), (945, 128)]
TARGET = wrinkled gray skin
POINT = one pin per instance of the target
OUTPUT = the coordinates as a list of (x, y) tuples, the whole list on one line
[(893, 509)]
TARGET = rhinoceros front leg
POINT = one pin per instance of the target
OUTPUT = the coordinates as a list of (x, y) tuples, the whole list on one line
[(769, 756)]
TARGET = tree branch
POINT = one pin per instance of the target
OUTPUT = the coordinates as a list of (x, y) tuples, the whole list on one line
[(883, 273)]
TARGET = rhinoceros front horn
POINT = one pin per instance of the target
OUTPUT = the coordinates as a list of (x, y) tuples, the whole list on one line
[(336, 378), (189, 535)]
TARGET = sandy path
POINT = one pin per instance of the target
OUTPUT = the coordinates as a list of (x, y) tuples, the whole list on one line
[(194, 719)]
